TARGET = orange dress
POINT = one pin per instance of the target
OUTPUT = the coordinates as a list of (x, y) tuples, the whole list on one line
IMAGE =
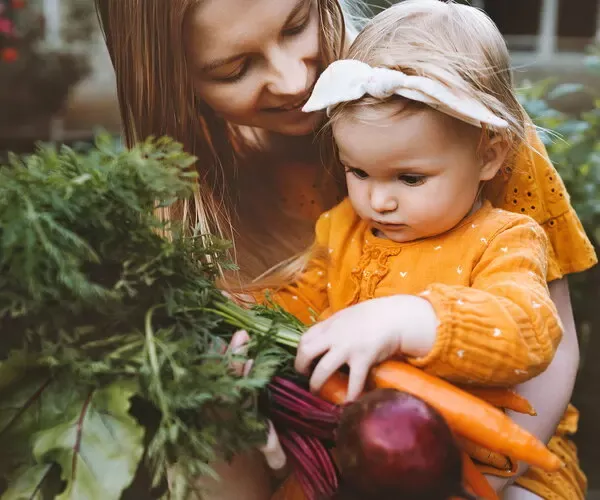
[(533, 187)]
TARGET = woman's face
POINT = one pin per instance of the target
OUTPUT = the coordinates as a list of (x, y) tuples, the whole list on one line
[(254, 62)]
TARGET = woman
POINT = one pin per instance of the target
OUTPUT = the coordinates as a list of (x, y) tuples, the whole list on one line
[(228, 79)]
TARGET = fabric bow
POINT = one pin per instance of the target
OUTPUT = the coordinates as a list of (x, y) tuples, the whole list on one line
[(348, 80)]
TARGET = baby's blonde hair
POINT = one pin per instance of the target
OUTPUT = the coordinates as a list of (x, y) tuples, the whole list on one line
[(457, 45)]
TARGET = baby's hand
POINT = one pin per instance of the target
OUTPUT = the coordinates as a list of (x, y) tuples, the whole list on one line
[(364, 335)]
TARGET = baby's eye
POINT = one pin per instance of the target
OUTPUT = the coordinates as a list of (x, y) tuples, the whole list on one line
[(357, 172), (412, 180)]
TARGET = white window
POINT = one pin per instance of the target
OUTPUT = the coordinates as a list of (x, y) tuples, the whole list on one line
[(546, 30)]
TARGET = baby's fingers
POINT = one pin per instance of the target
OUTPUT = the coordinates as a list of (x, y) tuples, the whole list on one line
[(325, 368), (356, 381), (307, 352)]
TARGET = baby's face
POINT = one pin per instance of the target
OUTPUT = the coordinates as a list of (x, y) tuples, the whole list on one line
[(411, 175)]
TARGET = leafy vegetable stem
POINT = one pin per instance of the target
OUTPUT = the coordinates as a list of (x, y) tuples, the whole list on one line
[(77, 445), (27, 404), (153, 358), (244, 318)]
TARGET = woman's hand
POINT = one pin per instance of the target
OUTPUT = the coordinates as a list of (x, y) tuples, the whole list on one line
[(271, 450), (366, 334)]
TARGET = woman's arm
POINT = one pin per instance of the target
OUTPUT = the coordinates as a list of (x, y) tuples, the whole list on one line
[(550, 392)]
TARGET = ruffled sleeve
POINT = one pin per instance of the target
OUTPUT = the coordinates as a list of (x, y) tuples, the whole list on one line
[(532, 186), (504, 328)]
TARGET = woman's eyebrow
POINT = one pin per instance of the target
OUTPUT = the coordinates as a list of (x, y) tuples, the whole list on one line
[(297, 8), (228, 60)]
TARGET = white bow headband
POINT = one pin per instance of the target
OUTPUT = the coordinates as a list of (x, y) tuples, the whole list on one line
[(349, 80)]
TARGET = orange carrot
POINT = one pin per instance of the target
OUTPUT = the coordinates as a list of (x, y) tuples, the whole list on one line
[(487, 457), (503, 398), (466, 414), (335, 389), (476, 481), (289, 490)]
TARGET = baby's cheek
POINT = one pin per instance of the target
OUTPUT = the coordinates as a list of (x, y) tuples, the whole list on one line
[(358, 194)]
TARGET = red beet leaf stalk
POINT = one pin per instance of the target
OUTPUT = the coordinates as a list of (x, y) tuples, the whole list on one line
[(306, 425)]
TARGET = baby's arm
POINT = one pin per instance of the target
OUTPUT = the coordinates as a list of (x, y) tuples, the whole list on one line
[(504, 328)]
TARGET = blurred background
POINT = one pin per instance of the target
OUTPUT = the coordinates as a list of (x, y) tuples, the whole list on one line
[(57, 84)]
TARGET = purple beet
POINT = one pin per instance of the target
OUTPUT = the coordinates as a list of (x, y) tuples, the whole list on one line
[(392, 445)]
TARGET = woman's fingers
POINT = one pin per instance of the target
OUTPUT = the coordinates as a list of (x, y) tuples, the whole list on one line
[(239, 339), (238, 345), (272, 450), (247, 367)]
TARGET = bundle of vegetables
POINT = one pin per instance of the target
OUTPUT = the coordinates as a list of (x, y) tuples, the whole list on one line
[(110, 349), (109, 357)]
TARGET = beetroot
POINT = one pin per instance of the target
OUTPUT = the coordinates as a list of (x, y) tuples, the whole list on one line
[(392, 445)]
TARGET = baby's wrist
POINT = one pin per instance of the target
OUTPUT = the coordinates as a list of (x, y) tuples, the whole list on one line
[(418, 327)]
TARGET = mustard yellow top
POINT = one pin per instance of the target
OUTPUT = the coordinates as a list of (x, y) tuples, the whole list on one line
[(486, 280)]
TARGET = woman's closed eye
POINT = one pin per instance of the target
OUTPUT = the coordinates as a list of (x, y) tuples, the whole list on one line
[(412, 179), (229, 75)]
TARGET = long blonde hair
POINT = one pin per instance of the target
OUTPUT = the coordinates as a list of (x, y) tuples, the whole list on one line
[(156, 98), (456, 44)]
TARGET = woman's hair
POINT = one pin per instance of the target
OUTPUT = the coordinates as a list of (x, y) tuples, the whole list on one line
[(457, 45), (145, 41)]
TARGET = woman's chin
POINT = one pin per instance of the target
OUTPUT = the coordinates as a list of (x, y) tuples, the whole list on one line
[(298, 123)]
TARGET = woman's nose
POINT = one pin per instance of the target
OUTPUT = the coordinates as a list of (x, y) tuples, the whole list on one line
[(289, 74)]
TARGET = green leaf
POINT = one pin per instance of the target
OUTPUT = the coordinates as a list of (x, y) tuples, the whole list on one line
[(99, 449), (32, 404), (29, 484)]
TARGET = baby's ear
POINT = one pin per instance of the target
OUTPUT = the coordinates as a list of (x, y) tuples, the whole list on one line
[(492, 156)]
